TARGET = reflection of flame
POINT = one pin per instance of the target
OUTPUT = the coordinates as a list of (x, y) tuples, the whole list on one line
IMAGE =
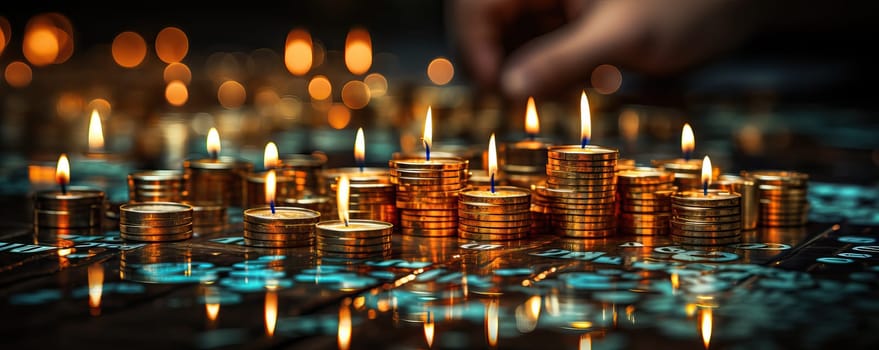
[(532, 122), (428, 129), (491, 322), (96, 287), (585, 118), (585, 341), (213, 143), (211, 304), (429, 329), (96, 133), (528, 314), (271, 183), (359, 147), (706, 171), (62, 172), (342, 197), (270, 157), (358, 51), (271, 310), (688, 139), (344, 335), (675, 282), (707, 320), (533, 307), (492, 157)]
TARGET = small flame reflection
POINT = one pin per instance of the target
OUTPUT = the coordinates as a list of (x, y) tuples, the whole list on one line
[(707, 324), (491, 322), (344, 335), (96, 287)]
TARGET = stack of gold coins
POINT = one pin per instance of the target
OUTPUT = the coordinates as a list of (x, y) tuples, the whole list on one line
[(688, 173), (372, 195), (155, 221), (540, 209), (215, 181), (254, 189), (492, 216), (358, 239), (321, 204), (304, 170), (747, 187), (712, 219), (625, 164), (645, 201), (581, 190), (207, 218), (77, 208), (286, 227), (155, 186), (783, 197), (427, 194), (523, 162)]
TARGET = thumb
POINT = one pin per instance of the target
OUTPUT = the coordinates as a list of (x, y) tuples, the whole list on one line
[(566, 55)]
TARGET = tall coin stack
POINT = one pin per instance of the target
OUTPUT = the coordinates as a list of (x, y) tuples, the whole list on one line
[(712, 219), (78, 208), (372, 196), (155, 186), (645, 201), (155, 222), (540, 209), (304, 170), (581, 189), (783, 197), (287, 227), (427, 194), (504, 214), (216, 181)]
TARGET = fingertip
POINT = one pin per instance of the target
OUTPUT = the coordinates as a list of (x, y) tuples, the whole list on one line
[(515, 84)]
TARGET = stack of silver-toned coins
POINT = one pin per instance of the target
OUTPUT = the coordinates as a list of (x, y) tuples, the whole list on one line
[(155, 186), (500, 215), (215, 181), (77, 208), (645, 201), (581, 190), (155, 222), (207, 218), (286, 227), (372, 195), (360, 239), (427, 194), (783, 197), (712, 219), (540, 209)]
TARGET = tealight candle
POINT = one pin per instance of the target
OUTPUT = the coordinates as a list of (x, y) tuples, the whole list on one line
[(278, 227), (70, 207), (352, 237), (687, 170), (255, 182), (523, 162), (215, 180)]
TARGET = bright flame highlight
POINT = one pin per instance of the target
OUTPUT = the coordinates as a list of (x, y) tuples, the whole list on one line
[(707, 324), (532, 305), (213, 142), (342, 197), (585, 120), (429, 330), (585, 341), (492, 157), (96, 287), (271, 311), (688, 140), (491, 322), (532, 121), (344, 334), (271, 184), (62, 171), (706, 173), (96, 133), (270, 156), (359, 147), (428, 132), (675, 282)]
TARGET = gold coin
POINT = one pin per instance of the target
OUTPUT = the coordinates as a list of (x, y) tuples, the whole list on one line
[(643, 176), (150, 230), (494, 230), (489, 208), (425, 206), (585, 169), (348, 256), (446, 232), (706, 241), (352, 241), (713, 199), (407, 218), (556, 174), (403, 189), (428, 224), (293, 238), (156, 238), (574, 217), (277, 244), (428, 200), (587, 233), (434, 213), (710, 219), (491, 237), (644, 217), (495, 224), (583, 209), (154, 211), (502, 195), (156, 223), (282, 229), (353, 249), (703, 227), (576, 152), (414, 182), (441, 163), (584, 226), (645, 231), (282, 215), (697, 212), (336, 234), (495, 217), (778, 177)]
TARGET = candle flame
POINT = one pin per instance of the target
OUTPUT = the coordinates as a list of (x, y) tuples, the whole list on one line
[(211, 304), (270, 157), (213, 143), (96, 287), (342, 197), (533, 307), (706, 171), (271, 310), (707, 324), (585, 120), (96, 133), (585, 341), (62, 171), (359, 147), (492, 157), (271, 184), (532, 121), (675, 282), (428, 129), (491, 322), (688, 139), (344, 335), (429, 330), (358, 51)]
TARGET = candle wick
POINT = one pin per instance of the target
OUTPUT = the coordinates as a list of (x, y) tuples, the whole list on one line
[(361, 166), (492, 183), (63, 188), (215, 155), (272, 206), (531, 136), (346, 222), (583, 142), (705, 188), (427, 150), (687, 155)]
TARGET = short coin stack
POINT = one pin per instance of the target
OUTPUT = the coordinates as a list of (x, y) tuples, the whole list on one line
[(372, 196), (155, 222), (783, 197), (712, 219), (304, 171), (78, 208), (427, 194), (286, 227), (155, 186), (491, 216), (523, 162), (360, 239), (581, 190), (645, 201), (208, 218)]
